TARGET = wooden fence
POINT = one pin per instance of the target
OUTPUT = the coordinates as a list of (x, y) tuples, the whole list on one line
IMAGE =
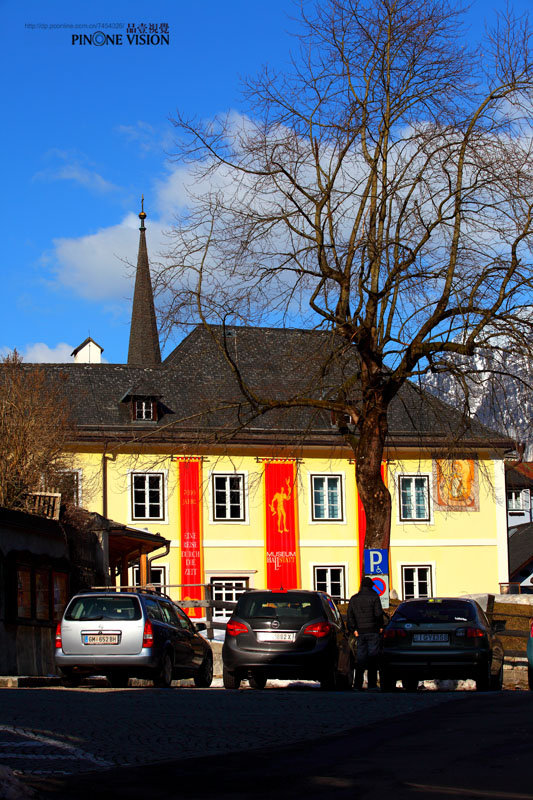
[(517, 617)]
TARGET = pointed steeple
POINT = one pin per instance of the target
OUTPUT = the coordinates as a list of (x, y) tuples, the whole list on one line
[(144, 340)]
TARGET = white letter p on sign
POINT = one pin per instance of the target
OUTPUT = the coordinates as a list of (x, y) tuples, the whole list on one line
[(375, 560)]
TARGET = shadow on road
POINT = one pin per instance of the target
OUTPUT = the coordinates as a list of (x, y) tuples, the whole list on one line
[(474, 746)]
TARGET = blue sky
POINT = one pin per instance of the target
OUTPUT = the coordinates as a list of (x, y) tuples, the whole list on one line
[(87, 131)]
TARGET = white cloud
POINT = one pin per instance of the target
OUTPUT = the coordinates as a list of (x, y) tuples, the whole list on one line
[(146, 136), (73, 165), (96, 266), (171, 192), (41, 353), (75, 172)]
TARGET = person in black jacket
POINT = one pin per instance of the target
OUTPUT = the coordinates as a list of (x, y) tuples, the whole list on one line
[(365, 623)]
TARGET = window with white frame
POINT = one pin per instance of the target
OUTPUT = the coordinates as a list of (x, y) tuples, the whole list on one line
[(518, 500), (227, 590), (147, 496), (414, 498), (157, 577), (326, 498), (143, 408), (330, 580), (68, 483), (417, 581), (228, 497)]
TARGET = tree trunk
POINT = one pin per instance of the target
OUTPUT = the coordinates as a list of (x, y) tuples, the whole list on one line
[(374, 494)]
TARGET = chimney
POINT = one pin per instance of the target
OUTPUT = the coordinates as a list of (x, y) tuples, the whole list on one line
[(88, 352)]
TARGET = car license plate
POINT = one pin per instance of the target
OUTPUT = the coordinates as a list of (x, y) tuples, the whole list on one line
[(100, 638), (430, 637), (275, 636)]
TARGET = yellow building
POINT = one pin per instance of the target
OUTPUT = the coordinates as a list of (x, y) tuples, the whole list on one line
[(174, 447), (435, 549)]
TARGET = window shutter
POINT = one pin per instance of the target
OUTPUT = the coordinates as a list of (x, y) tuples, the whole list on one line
[(526, 500)]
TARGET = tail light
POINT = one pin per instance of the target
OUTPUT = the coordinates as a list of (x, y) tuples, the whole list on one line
[(470, 633), (531, 627), (148, 634), (235, 628), (319, 629), (59, 643), (394, 633)]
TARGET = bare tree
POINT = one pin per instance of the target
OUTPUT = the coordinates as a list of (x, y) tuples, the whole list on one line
[(35, 428), (381, 191)]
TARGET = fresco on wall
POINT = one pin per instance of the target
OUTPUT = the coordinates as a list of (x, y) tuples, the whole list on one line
[(455, 484)]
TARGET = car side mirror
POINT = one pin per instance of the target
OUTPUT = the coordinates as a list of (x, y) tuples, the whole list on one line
[(499, 625), (200, 626)]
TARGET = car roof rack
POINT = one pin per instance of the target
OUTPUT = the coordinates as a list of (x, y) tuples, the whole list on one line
[(148, 590)]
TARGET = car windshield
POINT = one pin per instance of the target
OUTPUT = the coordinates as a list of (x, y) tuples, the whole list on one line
[(101, 608), (435, 611), (279, 604)]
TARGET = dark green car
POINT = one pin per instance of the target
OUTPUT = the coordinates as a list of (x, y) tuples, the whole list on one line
[(441, 638)]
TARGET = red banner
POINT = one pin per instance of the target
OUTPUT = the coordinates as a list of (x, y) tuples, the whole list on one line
[(191, 533), (281, 525)]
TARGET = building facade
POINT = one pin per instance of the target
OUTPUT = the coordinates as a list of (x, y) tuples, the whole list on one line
[(246, 499), (264, 519)]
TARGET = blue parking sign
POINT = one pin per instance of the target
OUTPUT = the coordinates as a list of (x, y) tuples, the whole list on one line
[(376, 562)]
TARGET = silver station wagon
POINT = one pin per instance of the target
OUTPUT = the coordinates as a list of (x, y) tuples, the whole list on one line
[(125, 635)]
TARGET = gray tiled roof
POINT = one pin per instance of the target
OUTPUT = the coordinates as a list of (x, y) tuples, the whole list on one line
[(199, 396)]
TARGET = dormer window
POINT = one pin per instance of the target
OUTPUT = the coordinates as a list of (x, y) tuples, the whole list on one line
[(143, 408), (144, 403)]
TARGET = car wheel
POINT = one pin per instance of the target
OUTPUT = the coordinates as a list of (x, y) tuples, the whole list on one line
[(118, 679), (71, 678), (257, 679), (483, 678), (496, 681), (387, 681), (530, 678), (230, 679), (163, 677), (204, 677), (410, 684)]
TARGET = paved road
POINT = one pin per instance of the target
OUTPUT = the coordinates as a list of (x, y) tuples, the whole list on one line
[(63, 731), (187, 743)]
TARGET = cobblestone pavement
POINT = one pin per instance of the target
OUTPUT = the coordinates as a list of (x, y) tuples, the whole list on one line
[(58, 731)]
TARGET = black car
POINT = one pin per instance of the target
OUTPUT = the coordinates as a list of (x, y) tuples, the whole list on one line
[(127, 635), (446, 638), (287, 634)]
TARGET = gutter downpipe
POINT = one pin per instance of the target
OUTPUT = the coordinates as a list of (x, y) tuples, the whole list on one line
[(154, 558), (104, 482), (105, 458)]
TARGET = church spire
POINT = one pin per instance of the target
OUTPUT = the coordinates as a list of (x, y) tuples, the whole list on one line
[(144, 340)]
